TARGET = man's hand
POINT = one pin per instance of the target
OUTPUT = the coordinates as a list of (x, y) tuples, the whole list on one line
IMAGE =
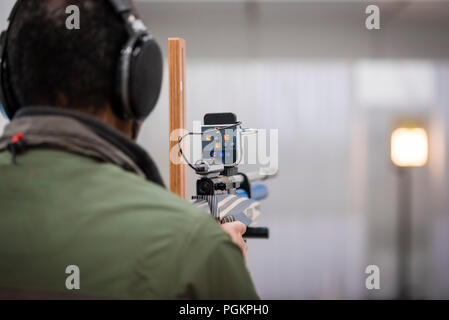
[(236, 230)]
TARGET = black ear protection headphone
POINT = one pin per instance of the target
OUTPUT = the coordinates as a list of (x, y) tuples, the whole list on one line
[(139, 69)]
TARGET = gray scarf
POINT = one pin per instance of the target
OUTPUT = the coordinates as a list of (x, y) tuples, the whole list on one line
[(79, 134)]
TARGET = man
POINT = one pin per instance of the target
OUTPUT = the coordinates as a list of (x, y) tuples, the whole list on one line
[(83, 210)]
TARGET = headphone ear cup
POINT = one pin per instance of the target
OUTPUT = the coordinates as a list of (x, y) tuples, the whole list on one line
[(5, 107), (145, 78)]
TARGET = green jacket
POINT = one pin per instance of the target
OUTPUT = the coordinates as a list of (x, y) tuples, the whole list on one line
[(129, 237)]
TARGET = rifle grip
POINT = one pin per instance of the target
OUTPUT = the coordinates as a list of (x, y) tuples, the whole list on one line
[(257, 233)]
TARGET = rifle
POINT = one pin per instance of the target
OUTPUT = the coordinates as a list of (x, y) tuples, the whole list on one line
[(218, 171)]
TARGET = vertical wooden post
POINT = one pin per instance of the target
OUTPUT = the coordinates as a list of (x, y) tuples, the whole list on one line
[(177, 101)]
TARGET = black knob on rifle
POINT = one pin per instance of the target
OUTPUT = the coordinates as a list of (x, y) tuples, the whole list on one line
[(205, 187)]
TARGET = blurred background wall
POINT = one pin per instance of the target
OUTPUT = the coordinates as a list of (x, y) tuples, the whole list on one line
[(335, 91)]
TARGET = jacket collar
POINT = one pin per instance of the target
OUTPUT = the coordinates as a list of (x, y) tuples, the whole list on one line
[(81, 134)]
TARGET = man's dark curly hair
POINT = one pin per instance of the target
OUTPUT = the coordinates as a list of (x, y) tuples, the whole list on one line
[(53, 66)]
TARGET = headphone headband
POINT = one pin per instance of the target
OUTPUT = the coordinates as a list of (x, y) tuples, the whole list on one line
[(124, 9), (121, 6)]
